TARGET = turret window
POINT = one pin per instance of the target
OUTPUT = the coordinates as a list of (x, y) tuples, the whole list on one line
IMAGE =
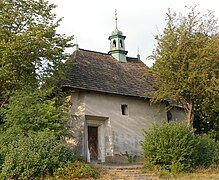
[(114, 43), (121, 45)]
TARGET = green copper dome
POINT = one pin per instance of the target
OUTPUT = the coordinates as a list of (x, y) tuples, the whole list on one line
[(117, 32)]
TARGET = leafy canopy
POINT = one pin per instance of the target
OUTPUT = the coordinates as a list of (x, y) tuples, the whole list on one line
[(30, 48), (187, 61), (31, 111), (31, 64), (31, 51)]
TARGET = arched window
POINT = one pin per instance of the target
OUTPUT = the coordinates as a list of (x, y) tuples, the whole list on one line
[(114, 43), (121, 45)]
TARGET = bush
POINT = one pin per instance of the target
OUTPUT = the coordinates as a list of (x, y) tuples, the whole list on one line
[(169, 146), (206, 151), (33, 156), (34, 110), (1, 160), (75, 170)]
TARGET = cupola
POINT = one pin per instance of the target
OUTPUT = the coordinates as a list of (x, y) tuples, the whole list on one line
[(117, 44)]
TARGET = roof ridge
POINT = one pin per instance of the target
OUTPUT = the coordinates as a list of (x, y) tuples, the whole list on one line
[(93, 51), (135, 58)]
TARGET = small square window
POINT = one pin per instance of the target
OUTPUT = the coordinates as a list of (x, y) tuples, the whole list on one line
[(124, 108)]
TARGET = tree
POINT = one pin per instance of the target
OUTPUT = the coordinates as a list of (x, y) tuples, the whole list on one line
[(32, 111), (30, 48), (31, 59), (187, 61)]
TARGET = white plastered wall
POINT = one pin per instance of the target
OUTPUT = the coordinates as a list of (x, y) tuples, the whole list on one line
[(117, 133), (123, 132)]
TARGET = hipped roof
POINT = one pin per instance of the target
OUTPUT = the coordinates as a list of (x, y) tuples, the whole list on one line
[(95, 71)]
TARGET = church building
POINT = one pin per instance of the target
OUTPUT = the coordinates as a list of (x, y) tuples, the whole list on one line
[(110, 102)]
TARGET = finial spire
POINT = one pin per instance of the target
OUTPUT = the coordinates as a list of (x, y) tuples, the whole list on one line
[(76, 43), (138, 55), (116, 18), (76, 39)]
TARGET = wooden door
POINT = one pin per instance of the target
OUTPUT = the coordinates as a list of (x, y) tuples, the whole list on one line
[(93, 142)]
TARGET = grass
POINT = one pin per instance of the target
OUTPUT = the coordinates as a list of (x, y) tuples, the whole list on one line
[(201, 173)]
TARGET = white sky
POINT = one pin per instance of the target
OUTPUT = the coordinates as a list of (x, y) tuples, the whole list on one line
[(92, 21)]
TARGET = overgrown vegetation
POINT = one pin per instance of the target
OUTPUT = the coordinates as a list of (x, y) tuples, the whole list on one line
[(206, 151), (169, 146), (33, 112), (36, 155), (174, 146), (75, 170), (32, 109)]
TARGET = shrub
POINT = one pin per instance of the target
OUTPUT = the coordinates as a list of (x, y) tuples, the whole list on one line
[(131, 158), (169, 146), (1, 160), (75, 170), (33, 156), (206, 151), (34, 110)]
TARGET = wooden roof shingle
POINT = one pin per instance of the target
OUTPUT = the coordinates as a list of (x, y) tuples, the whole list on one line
[(95, 71)]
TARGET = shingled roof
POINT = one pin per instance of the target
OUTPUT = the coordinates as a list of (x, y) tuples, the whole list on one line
[(95, 71)]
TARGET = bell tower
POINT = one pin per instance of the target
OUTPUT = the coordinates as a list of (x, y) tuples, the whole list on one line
[(117, 43)]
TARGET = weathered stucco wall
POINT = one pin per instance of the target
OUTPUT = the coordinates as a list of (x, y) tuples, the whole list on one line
[(117, 133), (125, 131), (178, 113), (77, 122)]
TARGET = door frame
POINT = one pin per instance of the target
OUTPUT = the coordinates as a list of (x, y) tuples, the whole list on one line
[(100, 123)]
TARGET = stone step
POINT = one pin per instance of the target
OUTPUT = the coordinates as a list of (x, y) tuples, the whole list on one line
[(127, 172)]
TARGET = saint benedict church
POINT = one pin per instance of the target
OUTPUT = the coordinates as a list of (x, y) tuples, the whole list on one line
[(110, 102)]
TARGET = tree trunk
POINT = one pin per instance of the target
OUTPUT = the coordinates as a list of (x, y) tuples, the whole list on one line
[(189, 114)]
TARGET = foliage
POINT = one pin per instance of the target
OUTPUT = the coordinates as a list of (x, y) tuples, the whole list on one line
[(31, 51), (75, 170), (206, 151), (169, 146), (187, 61), (131, 158), (33, 156), (207, 122), (33, 110), (174, 146)]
